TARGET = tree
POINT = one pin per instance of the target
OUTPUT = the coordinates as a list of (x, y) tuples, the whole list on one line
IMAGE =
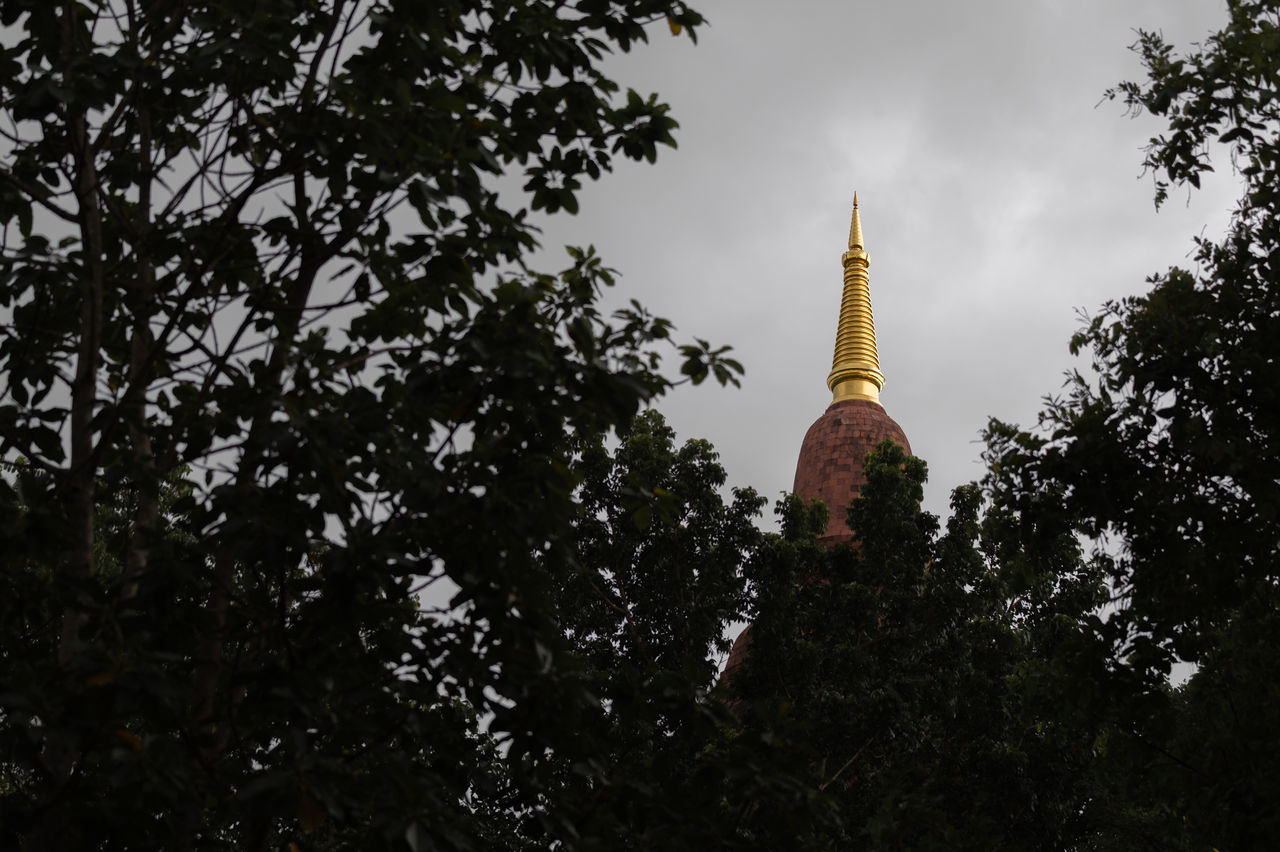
[(890, 673), (1168, 462), (658, 581), (262, 243)]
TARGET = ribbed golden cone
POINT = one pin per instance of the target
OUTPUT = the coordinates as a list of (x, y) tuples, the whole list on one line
[(855, 367)]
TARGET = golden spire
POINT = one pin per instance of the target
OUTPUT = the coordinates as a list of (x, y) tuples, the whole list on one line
[(855, 226), (855, 369)]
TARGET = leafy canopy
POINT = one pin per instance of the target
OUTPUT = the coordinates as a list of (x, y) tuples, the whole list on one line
[(888, 675), (1169, 462), (258, 247)]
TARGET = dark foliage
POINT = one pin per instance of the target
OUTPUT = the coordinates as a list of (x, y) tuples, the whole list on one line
[(257, 246), (1169, 461), (892, 670)]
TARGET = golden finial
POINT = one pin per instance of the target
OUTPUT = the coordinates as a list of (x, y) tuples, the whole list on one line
[(855, 369), (855, 226)]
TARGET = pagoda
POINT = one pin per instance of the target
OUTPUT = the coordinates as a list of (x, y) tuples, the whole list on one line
[(834, 449)]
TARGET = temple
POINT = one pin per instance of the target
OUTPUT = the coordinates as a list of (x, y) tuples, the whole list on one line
[(830, 464), (832, 454)]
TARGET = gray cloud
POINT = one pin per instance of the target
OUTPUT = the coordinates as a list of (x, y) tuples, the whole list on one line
[(998, 197)]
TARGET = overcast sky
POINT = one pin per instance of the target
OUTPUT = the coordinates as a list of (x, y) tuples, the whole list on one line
[(999, 195)]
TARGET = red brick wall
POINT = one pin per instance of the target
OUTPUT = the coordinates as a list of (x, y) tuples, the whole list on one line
[(830, 464), (830, 470), (737, 654)]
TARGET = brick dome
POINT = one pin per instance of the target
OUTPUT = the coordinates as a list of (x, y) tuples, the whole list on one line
[(830, 464), (836, 445)]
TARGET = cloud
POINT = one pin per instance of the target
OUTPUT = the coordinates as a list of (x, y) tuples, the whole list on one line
[(998, 197)]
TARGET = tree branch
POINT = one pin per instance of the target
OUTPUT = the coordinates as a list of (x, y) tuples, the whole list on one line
[(41, 198)]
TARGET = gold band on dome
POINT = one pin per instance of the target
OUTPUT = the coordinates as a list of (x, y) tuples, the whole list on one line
[(855, 368)]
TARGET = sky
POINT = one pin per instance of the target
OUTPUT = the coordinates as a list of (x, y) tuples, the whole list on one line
[(1001, 197)]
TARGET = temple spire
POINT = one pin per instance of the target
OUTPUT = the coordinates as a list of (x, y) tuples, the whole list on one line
[(855, 368), (855, 226)]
